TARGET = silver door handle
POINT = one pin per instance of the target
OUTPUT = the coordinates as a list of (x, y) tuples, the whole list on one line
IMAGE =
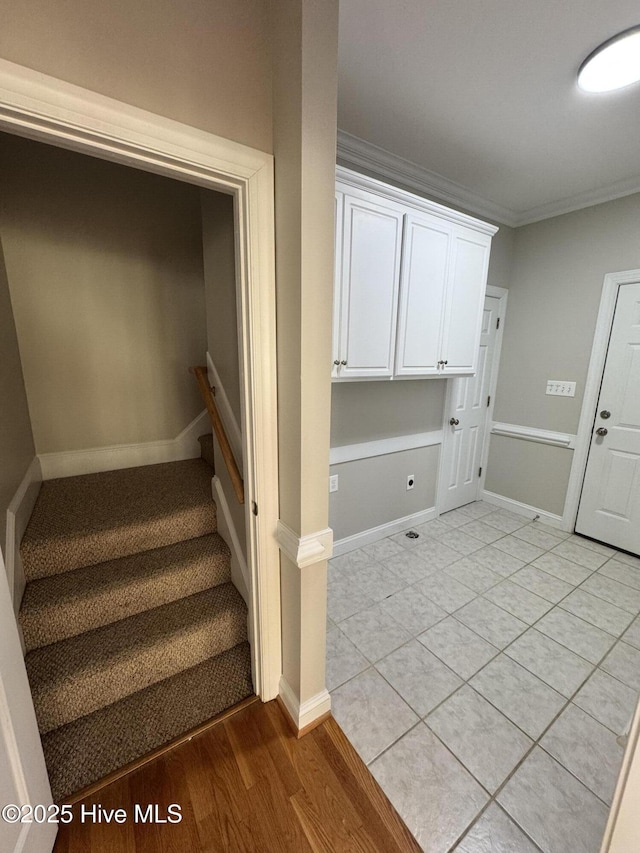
[(454, 422), (605, 414), (602, 431)]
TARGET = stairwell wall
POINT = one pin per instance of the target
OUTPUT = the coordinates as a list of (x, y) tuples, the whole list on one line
[(17, 448)]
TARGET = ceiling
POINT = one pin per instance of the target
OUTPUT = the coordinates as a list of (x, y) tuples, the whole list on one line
[(480, 97)]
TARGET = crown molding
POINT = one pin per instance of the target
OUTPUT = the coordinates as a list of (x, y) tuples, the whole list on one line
[(359, 153)]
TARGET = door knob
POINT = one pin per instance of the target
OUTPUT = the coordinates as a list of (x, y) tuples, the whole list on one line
[(605, 414), (337, 362), (454, 422), (602, 431)]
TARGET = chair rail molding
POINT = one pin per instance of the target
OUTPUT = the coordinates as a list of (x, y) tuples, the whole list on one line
[(306, 550), (540, 436), (383, 446)]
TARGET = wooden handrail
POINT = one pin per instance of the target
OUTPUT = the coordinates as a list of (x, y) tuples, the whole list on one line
[(227, 453)]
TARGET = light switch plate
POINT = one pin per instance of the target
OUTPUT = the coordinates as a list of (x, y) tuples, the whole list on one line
[(561, 388)]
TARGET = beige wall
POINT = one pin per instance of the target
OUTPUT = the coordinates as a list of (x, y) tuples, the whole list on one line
[(105, 272), (558, 272), (16, 441), (203, 63)]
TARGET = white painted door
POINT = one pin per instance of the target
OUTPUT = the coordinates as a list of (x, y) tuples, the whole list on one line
[(423, 283), (465, 293), (369, 287), (610, 501), (23, 775), (466, 420)]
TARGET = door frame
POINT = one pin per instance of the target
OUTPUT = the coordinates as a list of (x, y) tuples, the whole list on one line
[(500, 293), (49, 110), (604, 323)]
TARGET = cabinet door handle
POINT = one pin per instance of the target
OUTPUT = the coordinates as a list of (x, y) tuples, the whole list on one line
[(343, 362), (337, 362), (445, 362), (454, 422)]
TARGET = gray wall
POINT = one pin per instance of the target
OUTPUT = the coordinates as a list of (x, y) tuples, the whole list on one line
[(105, 272), (558, 272), (16, 440)]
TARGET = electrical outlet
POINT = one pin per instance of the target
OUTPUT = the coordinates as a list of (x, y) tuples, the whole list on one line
[(333, 483), (561, 388), (411, 481)]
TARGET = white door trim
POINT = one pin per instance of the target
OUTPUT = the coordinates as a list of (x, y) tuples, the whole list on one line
[(49, 110), (500, 293), (612, 283)]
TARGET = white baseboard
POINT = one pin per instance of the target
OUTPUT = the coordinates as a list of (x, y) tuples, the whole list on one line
[(18, 515), (227, 529), (93, 460), (374, 534), (231, 426), (304, 713), (523, 509)]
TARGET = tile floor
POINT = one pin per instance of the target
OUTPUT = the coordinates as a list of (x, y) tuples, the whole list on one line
[(484, 671)]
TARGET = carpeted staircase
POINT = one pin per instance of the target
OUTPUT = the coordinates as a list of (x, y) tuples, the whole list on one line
[(134, 632)]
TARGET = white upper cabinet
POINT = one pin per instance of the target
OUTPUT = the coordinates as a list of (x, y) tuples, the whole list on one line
[(410, 282)]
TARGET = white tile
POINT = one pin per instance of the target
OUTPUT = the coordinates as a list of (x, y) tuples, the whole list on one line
[(461, 542), (383, 549), (482, 738), (553, 663), (563, 569), (598, 547), (580, 555), (413, 610), (623, 662), (531, 533), (344, 598), (495, 832), (528, 702), (542, 584), (419, 677), (628, 559), (482, 531), (497, 561), (473, 574), (587, 749), (518, 601), (343, 659), (455, 518), (374, 632), (608, 700), (556, 810), (406, 542), (581, 637), (491, 622), (352, 561), (518, 548), (621, 572), (505, 520), (378, 582), (554, 531), (409, 567), (458, 646), (432, 792), (614, 592), (434, 528), (632, 634), (436, 554), (446, 591), (597, 611), (477, 509), (371, 713)]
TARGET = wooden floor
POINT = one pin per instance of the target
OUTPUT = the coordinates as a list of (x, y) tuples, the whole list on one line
[(247, 784)]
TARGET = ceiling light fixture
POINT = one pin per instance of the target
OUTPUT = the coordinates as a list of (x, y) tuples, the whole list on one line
[(613, 65)]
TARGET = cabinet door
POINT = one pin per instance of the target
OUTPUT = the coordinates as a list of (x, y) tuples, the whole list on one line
[(465, 295), (372, 234), (423, 281), (337, 290)]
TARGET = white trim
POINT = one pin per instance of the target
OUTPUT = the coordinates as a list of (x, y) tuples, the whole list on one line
[(226, 412), (356, 180), (227, 529), (540, 436), (72, 463), (502, 294), (523, 509), (612, 282), (305, 713), (18, 515), (365, 155), (361, 154), (621, 831), (305, 550), (58, 113), (383, 446), (375, 534)]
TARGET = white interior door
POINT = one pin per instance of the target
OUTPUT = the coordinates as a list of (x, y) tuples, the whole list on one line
[(466, 420), (610, 501), (23, 775)]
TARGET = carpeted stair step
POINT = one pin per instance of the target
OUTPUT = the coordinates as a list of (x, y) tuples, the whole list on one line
[(206, 449), (61, 606), (81, 521), (79, 675), (93, 746)]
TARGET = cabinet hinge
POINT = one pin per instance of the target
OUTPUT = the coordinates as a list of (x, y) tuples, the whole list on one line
[(254, 507), (498, 323), (489, 400), (480, 472)]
